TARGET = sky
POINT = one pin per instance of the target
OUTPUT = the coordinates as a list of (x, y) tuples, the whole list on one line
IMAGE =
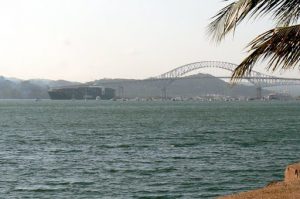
[(84, 40)]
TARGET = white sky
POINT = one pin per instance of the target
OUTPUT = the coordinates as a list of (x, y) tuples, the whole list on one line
[(84, 40)]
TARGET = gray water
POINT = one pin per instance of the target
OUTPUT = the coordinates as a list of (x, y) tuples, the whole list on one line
[(77, 149)]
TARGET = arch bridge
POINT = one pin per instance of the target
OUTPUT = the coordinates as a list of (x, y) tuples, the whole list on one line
[(258, 79)]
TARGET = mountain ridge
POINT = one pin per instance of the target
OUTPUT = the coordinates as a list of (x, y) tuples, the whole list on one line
[(189, 86)]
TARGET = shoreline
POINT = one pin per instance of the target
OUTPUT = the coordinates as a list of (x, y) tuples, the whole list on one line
[(289, 188)]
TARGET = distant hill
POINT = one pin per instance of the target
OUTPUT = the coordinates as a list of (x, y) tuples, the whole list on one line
[(53, 83), (12, 88), (190, 86)]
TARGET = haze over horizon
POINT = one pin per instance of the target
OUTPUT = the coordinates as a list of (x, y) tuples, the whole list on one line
[(84, 40)]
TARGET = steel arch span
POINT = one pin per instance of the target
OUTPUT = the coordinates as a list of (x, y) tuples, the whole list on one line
[(256, 78)]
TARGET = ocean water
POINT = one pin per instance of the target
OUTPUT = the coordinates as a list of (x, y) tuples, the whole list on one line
[(96, 149)]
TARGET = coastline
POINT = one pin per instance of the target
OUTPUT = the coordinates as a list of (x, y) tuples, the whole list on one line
[(287, 189)]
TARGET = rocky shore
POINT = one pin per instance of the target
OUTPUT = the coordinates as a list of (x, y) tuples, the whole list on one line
[(287, 189)]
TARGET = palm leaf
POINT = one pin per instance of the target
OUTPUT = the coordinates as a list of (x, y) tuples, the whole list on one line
[(280, 46), (285, 12), (229, 17)]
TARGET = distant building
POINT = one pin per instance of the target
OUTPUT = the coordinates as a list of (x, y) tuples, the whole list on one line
[(279, 96), (81, 93)]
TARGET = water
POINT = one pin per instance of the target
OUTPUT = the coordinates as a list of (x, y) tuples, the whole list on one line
[(77, 149)]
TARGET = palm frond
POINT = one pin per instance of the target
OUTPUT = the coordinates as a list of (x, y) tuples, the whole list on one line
[(229, 17), (285, 12), (280, 46)]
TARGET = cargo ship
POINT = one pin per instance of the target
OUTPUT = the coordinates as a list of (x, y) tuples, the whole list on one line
[(81, 92)]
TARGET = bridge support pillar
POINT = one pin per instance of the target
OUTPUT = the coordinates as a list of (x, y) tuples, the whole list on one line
[(164, 93), (121, 92), (258, 92)]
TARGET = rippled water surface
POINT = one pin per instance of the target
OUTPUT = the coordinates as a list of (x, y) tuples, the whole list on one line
[(77, 149)]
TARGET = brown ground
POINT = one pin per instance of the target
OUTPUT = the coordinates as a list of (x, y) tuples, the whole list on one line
[(279, 190), (288, 189)]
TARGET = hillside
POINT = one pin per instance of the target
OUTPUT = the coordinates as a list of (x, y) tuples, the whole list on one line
[(12, 88), (191, 86)]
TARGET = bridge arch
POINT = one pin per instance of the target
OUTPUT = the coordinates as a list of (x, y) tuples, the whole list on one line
[(256, 78), (182, 70), (187, 68)]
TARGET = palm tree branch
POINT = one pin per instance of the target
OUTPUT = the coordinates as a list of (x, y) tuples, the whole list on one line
[(280, 46), (229, 17), (285, 12)]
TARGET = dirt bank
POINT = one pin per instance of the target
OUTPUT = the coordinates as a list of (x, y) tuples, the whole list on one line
[(287, 189)]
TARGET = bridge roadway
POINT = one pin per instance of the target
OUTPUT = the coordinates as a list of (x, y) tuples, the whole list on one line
[(256, 78), (197, 77), (165, 82)]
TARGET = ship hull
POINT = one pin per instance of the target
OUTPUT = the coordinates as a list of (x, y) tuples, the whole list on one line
[(81, 93)]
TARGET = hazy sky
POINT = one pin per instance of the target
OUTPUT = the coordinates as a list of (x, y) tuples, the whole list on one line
[(84, 40)]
